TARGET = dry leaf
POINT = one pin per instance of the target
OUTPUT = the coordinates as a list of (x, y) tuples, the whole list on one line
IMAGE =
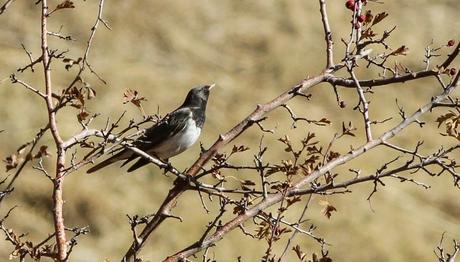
[(379, 17), (300, 254), (443, 118), (132, 96), (11, 162), (82, 115), (42, 152), (400, 51), (327, 208), (65, 4)]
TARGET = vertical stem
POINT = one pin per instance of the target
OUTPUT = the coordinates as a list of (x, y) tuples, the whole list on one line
[(60, 162), (327, 34), (362, 100)]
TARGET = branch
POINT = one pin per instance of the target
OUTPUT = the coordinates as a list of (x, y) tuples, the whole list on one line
[(297, 188), (327, 35), (451, 57), (259, 113), (347, 82), (364, 103), (33, 143), (180, 185), (14, 80), (442, 255), (58, 201), (5, 6)]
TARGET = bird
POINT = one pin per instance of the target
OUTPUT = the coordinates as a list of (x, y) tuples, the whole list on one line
[(172, 135)]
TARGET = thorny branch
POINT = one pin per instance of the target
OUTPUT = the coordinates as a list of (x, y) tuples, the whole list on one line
[(442, 255), (255, 198), (298, 188), (5, 6), (63, 247)]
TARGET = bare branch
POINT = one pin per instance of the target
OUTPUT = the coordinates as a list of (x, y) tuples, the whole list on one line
[(58, 201), (327, 35), (297, 188), (442, 255), (362, 101), (5, 6), (27, 86)]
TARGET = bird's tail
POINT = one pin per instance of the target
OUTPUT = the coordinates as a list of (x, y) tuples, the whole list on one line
[(118, 156)]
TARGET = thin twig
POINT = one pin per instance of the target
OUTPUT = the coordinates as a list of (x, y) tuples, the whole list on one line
[(5, 6)]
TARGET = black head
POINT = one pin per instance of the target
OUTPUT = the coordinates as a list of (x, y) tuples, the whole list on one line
[(198, 96)]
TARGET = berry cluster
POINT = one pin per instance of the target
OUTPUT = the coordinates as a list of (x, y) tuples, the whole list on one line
[(452, 71), (353, 6)]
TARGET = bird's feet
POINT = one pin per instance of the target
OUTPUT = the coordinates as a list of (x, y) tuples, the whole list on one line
[(168, 167)]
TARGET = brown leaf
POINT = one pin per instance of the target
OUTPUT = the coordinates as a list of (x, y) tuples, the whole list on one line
[(238, 210), (75, 93), (346, 130), (42, 152), (132, 96), (293, 200), (369, 17), (325, 121), (82, 115), (402, 50), (379, 17), (332, 155), (300, 254), (11, 162), (443, 118), (285, 140), (367, 34), (452, 125), (309, 137), (327, 208), (241, 148), (65, 4)]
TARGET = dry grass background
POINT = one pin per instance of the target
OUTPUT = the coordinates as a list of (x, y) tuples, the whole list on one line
[(253, 50)]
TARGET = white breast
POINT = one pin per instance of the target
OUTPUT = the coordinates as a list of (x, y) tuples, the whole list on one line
[(179, 142)]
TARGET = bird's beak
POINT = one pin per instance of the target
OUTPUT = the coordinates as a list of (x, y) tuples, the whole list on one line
[(211, 86)]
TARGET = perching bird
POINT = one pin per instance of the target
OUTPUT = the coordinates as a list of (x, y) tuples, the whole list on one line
[(175, 133)]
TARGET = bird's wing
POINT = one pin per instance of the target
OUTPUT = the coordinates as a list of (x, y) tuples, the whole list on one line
[(169, 126)]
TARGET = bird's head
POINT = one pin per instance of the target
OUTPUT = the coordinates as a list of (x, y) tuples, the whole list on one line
[(198, 96)]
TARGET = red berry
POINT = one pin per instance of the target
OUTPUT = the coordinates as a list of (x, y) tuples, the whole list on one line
[(350, 4), (361, 18), (453, 71), (451, 42)]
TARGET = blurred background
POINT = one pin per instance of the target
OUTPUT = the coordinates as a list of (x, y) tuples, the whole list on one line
[(253, 50)]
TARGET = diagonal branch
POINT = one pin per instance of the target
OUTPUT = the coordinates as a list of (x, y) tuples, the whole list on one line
[(5, 6), (273, 199), (14, 80), (180, 185)]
